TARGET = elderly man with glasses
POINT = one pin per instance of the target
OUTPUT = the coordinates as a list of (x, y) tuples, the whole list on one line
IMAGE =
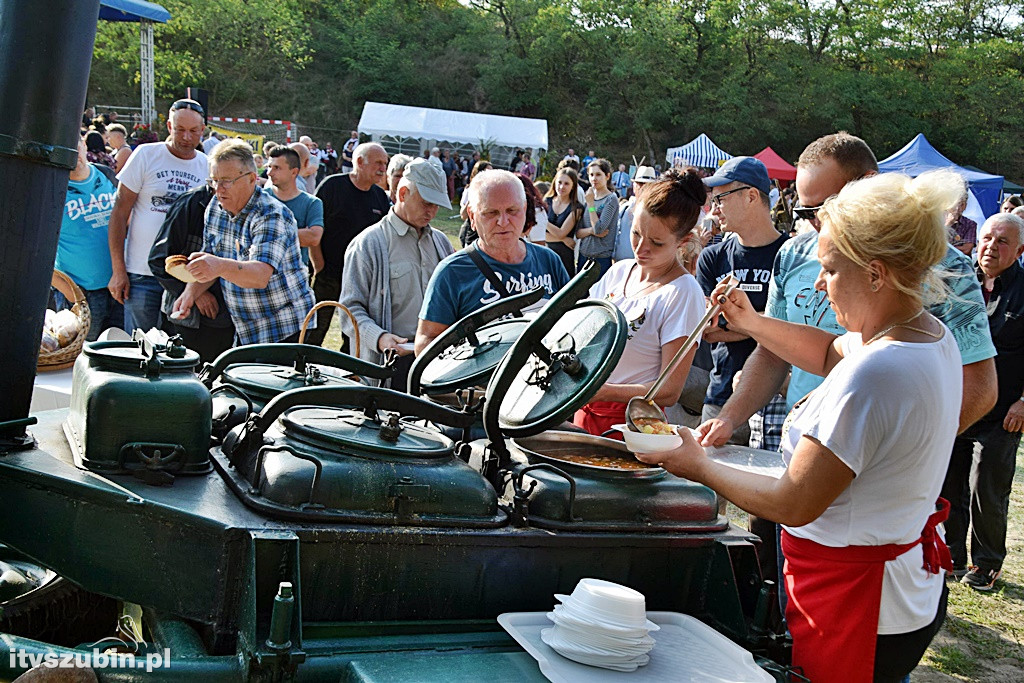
[(154, 176), (251, 244)]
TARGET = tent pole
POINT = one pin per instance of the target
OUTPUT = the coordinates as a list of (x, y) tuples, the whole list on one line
[(146, 69)]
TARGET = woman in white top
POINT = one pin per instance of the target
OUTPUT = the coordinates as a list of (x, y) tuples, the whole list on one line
[(867, 451), (662, 302)]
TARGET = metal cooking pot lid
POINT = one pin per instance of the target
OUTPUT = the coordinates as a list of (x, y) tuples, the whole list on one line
[(468, 365), (353, 431), (267, 381), (554, 368), (126, 355)]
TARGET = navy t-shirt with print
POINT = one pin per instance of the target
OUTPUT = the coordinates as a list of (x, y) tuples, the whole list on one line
[(753, 267), (457, 287)]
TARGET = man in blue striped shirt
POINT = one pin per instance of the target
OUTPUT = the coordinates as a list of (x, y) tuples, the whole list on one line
[(251, 243)]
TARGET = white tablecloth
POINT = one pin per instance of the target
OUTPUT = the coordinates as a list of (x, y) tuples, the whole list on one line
[(52, 390)]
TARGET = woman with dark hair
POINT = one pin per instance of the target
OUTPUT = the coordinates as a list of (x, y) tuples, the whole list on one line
[(564, 214), (1010, 203), (597, 234), (536, 212), (467, 235), (662, 302), (96, 151)]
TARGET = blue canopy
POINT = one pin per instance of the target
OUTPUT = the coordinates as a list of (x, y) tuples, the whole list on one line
[(918, 156), (132, 10)]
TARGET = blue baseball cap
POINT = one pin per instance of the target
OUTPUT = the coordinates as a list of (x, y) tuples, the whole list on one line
[(746, 170)]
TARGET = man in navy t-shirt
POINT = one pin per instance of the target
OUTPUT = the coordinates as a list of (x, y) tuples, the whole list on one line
[(739, 198), (497, 209)]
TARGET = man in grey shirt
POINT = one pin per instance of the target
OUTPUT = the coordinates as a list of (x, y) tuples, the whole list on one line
[(388, 265)]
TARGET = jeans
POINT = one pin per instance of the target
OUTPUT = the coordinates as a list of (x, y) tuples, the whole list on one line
[(977, 487), (104, 310), (142, 307)]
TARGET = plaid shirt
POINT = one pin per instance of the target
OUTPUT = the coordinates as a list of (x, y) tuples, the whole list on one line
[(766, 425), (263, 231)]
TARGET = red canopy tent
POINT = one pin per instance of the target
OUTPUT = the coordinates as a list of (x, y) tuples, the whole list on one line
[(778, 169)]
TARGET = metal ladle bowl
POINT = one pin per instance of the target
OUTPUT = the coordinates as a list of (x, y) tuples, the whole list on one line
[(644, 407)]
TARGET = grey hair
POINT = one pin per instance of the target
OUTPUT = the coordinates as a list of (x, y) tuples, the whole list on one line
[(1010, 219), (435, 149), (362, 151), (398, 163), (233, 149), (486, 180)]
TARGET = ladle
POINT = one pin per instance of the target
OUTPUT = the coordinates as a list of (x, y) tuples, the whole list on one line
[(644, 407)]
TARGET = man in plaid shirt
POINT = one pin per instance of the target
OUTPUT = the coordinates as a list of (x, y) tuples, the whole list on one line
[(251, 243)]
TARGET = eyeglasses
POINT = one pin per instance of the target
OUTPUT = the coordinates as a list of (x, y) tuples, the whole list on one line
[(806, 213), (717, 199), (189, 104), (226, 184)]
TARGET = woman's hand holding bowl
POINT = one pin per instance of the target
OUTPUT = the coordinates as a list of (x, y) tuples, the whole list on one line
[(684, 461)]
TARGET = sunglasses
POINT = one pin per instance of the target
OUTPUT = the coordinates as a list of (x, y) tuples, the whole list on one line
[(189, 104), (807, 213)]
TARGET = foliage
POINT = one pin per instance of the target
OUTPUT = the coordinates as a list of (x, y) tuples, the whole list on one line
[(620, 76)]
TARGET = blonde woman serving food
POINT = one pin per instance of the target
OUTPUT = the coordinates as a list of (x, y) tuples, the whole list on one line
[(866, 451), (661, 301)]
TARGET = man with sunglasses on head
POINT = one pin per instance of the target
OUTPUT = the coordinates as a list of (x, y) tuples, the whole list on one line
[(251, 244), (155, 175)]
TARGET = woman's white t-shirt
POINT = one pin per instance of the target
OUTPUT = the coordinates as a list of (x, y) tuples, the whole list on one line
[(539, 230), (655, 318), (889, 411)]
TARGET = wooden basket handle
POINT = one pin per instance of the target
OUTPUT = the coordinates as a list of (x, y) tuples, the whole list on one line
[(352, 319)]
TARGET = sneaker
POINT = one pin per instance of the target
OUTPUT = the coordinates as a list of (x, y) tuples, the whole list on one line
[(956, 575), (981, 579)]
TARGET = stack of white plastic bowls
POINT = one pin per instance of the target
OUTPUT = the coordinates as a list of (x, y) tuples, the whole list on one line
[(601, 624)]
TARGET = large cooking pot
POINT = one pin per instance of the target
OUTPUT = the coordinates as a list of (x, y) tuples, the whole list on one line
[(357, 455), (567, 480), (243, 379), (138, 407)]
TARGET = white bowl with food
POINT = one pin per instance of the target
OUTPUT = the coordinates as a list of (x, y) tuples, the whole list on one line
[(661, 437)]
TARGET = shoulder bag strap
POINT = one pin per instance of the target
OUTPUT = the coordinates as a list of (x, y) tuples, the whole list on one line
[(489, 273)]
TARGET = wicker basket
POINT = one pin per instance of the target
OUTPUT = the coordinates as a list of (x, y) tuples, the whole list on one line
[(65, 356)]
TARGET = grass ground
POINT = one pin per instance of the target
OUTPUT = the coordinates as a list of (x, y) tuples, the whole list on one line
[(983, 637)]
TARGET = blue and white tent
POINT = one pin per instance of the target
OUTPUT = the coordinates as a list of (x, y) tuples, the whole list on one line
[(701, 151)]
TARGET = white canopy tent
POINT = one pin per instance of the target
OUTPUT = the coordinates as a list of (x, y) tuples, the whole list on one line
[(400, 125)]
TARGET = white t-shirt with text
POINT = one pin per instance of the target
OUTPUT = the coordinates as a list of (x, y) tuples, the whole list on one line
[(158, 177)]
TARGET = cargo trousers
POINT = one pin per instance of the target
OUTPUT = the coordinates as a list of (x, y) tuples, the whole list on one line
[(977, 487)]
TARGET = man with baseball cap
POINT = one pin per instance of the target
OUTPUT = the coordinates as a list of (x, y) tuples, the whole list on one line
[(388, 265), (623, 245), (739, 199)]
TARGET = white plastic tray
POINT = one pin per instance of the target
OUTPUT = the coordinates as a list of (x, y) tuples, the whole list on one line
[(754, 460), (685, 650)]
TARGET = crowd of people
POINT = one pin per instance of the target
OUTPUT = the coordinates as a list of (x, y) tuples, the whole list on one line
[(869, 310)]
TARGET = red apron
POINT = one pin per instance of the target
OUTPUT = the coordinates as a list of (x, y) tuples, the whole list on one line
[(835, 595), (597, 417)]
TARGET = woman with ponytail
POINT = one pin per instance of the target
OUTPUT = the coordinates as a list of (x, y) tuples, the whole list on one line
[(662, 302), (866, 451)]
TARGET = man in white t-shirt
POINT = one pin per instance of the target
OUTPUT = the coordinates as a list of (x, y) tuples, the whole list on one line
[(154, 176)]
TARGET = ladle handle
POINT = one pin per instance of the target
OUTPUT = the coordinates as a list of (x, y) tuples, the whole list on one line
[(688, 344)]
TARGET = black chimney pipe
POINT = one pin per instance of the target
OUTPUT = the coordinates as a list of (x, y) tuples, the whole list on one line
[(45, 54)]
